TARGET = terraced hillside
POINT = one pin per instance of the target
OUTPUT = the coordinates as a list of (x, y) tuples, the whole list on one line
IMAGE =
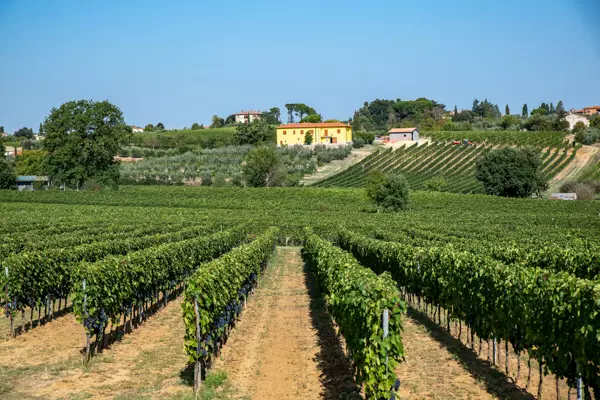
[(456, 163)]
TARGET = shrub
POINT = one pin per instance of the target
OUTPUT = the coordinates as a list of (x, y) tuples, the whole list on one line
[(358, 143), (389, 192), (578, 127), (594, 184), (263, 168), (436, 184), (568, 187), (368, 137), (206, 178), (584, 192)]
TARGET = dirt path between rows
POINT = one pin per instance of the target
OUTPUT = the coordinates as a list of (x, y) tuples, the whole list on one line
[(280, 349), (148, 363), (584, 158), (337, 166)]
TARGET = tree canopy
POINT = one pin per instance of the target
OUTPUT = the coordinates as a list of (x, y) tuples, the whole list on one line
[(511, 172), (82, 138), (25, 133), (389, 192), (263, 168), (272, 116), (382, 115), (255, 132)]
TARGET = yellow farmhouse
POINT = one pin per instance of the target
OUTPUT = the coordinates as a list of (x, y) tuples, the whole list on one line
[(323, 133)]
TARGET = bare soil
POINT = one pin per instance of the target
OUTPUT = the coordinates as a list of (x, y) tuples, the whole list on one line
[(47, 363), (583, 159), (285, 346)]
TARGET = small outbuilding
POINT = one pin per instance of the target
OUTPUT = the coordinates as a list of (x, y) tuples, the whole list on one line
[(32, 182), (402, 134)]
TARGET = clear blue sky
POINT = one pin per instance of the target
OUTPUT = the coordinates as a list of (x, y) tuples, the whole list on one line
[(180, 62)]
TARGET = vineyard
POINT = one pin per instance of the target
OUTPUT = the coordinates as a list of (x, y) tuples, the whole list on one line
[(455, 163), (93, 274)]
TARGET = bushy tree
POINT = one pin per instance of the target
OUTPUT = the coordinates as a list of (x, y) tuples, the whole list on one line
[(308, 139), (196, 126), (7, 173), (31, 162), (82, 137), (217, 122), (388, 192), (436, 184), (595, 121), (263, 168), (149, 128), (160, 126), (312, 118), (24, 133), (272, 116), (511, 172), (255, 132), (578, 127)]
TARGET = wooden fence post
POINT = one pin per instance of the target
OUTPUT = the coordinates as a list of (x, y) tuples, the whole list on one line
[(198, 364)]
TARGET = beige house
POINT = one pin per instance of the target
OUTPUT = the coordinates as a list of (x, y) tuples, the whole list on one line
[(246, 116)]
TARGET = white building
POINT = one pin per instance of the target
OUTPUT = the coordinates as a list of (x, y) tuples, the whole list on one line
[(246, 116), (136, 129), (400, 134), (572, 119)]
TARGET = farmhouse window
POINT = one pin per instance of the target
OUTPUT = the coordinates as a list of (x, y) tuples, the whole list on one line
[(285, 132), (325, 132), (302, 132), (294, 131), (339, 130)]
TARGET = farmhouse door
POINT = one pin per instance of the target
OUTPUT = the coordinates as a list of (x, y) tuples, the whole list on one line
[(333, 140)]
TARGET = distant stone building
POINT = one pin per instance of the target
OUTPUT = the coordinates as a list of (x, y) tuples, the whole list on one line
[(246, 116), (593, 110), (136, 129)]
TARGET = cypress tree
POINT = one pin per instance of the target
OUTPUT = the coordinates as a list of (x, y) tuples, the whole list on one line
[(525, 113), (507, 110)]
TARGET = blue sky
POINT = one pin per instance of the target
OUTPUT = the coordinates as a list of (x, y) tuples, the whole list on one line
[(180, 62)]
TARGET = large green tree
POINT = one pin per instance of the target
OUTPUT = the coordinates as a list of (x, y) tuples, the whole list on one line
[(272, 116), (30, 162), (7, 173), (255, 132), (82, 138), (389, 192), (263, 168), (24, 133), (511, 172)]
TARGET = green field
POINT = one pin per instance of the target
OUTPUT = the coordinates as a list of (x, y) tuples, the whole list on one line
[(506, 268)]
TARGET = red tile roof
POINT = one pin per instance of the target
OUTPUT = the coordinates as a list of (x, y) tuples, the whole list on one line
[(402, 130), (251, 112), (314, 125), (592, 108)]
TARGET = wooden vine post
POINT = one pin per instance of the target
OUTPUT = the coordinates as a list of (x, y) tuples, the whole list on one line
[(198, 364), (386, 331), (86, 355), (8, 310)]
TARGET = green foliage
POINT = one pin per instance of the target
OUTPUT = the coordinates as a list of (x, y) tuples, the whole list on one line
[(196, 126), (381, 115), (588, 136), (525, 112), (82, 137), (217, 122), (255, 133), (358, 143), (272, 117), (511, 172), (312, 118), (517, 304), (388, 192), (149, 128), (24, 133), (578, 127), (436, 184), (263, 168), (595, 121), (160, 126), (356, 298), (219, 288), (368, 137), (308, 139), (7, 174), (485, 109), (31, 162), (117, 284)]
